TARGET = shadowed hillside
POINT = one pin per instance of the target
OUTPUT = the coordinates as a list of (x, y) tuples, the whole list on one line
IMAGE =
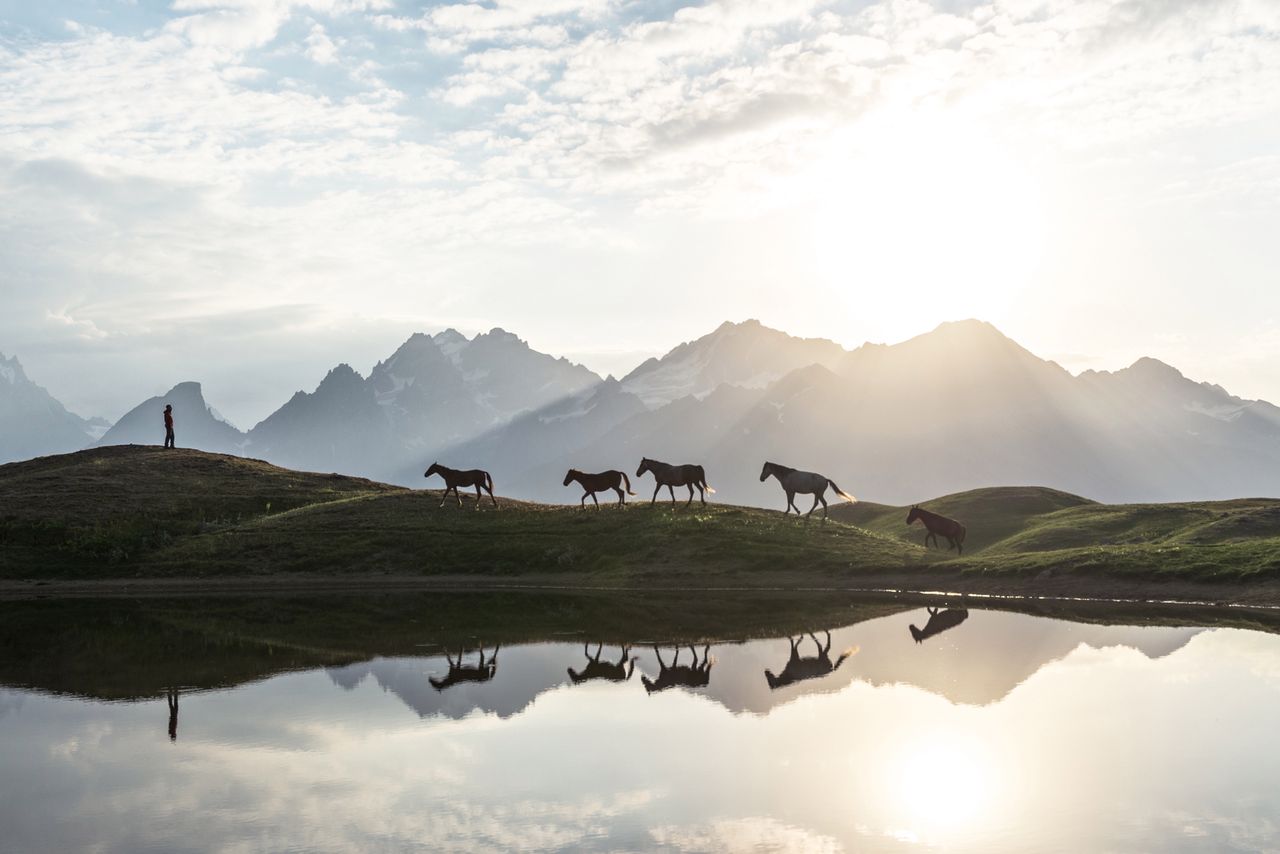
[(127, 512)]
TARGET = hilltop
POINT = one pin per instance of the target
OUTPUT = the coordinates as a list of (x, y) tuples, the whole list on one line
[(134, 512)]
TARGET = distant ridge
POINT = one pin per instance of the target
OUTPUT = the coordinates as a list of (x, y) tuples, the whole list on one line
[(960, 407)]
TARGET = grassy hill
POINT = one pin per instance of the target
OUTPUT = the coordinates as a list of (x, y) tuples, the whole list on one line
[(129, 512)]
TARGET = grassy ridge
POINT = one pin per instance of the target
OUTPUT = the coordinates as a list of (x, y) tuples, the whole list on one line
[(133, 511)]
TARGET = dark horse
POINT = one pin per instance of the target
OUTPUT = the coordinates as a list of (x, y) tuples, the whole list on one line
[(803, 481), (671, 476), (598, 482), (696, 675), (459, 672), (453, 478), (597, 669), (798, 669), (935, 525), (939, 621)]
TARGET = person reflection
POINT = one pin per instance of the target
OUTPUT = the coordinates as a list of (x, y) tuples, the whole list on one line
[(696, 675), (939, 621), (460, 672), (799, 669), (172, 697), (597, 669)]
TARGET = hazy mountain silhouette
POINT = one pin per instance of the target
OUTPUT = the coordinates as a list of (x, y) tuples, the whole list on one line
[(33, 423), (746, 354), (957, 408), (197, 424)]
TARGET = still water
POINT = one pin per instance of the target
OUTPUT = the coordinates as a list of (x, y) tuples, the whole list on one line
[(960, 730)]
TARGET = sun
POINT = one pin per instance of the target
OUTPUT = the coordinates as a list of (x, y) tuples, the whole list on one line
[(923, 217)]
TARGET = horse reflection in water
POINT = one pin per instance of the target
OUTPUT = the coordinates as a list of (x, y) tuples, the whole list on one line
[(597, 669), (459, 672), (696, 675), (939, 621), (799, 669), (171, 696)]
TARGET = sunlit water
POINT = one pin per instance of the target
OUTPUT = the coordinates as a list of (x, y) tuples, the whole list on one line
[(1002, 733)]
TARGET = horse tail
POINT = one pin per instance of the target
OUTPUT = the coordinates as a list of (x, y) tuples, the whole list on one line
[(702, 479), (846, 496), (960, 533), (488, 480), (627, 481)]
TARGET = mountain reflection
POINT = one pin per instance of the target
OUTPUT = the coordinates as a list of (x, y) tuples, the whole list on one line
[(605, 670), (939, 621)]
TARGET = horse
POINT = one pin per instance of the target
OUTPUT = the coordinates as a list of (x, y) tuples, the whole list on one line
[(665, 474), (598, 482), (806, 482), (597, 669), (798, 669), (459, 672), (939, 621), (690, 676), (453, 478), (935, 525)]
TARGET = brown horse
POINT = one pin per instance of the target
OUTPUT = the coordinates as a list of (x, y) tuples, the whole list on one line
[(665, 474), (935, 525), (453, 478), (939, 622), (598, 482), (806, 482)]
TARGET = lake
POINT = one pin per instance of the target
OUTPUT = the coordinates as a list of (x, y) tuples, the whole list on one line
[(712, 723)]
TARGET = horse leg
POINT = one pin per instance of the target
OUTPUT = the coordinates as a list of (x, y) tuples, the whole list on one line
[(702, 494), (622, 496), (444, 497), (671, 489), (584, 499), (656, 488), (814, 507), (596, 500), (457, 495), (477, 496), (823, 499), (690, 501), (790, 498), (491, 498)]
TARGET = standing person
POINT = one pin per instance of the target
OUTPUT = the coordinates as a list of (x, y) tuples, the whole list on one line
[(168, 425)]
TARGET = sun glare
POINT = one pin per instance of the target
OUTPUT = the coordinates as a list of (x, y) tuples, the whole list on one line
[(942, 786), (922, 218)]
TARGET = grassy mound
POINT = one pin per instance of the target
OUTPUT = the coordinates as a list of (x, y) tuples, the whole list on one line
[(126, 512), (103, 510), (135, 511), (990, 515)]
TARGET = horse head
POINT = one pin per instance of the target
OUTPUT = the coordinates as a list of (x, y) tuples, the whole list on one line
[(569, 477), (435, 467), (766, 471), (914, 514), (644, 467)]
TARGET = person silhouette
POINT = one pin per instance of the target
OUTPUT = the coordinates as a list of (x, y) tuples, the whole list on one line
[(168, 425)]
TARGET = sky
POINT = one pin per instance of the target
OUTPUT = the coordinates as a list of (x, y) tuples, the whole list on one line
[(248, 193)]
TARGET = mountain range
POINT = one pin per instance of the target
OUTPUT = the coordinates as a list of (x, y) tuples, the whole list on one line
[(959, 407)]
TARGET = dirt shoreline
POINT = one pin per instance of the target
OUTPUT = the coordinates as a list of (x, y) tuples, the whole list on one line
[(1262, 595)]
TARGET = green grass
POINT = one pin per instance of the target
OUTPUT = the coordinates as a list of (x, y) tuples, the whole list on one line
[(129, 512)]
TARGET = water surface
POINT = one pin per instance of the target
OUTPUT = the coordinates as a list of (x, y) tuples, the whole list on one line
[(995, 731)]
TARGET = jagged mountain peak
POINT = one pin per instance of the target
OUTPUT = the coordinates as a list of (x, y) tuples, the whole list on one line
[(745, 353)]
